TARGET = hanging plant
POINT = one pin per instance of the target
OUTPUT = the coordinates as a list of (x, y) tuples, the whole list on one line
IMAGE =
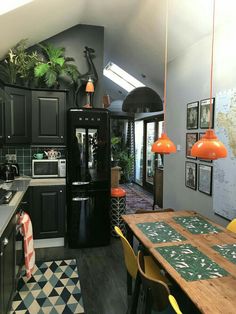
[(55, 66)]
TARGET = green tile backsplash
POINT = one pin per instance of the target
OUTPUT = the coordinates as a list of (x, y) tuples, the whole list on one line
[(24, 155)]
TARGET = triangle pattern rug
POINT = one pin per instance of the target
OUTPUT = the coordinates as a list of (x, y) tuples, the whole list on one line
[(54, 288)]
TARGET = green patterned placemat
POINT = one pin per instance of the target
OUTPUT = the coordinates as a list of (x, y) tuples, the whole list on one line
[(190, 263), (196, 225), (227, 250), (159, 232)]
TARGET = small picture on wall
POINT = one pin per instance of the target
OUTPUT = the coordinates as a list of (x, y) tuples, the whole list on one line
[(192, 115), (205, 179), (191, 139), (205, 160), (191, 175), (205, 113)]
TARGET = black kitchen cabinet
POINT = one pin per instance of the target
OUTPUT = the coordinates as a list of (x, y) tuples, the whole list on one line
[(7, 266), (18, 116), (48, 117), (1, 121), (48, 211)]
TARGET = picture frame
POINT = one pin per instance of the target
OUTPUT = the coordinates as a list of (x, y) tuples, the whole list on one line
[(191, 175), (192, 115), (205, 179), (205, 113), (191, 139), (203, 160)]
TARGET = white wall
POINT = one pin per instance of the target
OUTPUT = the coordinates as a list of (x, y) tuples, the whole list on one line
[(188, 81)]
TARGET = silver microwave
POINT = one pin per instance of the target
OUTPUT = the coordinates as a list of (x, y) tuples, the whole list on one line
[(48, 168)]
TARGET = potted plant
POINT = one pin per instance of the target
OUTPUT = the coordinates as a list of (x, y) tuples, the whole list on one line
[(126, 163), (54, 65), (18, 65)]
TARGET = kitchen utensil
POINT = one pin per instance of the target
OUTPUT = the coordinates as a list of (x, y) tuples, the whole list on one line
[(7, 172), (52, 154), (38, 156)]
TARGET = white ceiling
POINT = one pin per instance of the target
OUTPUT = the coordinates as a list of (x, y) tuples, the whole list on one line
[(134, 29)]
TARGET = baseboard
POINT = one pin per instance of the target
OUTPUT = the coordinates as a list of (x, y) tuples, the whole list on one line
[(44, 243)]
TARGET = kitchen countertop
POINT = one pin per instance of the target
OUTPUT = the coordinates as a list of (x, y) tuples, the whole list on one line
[(21, 185)]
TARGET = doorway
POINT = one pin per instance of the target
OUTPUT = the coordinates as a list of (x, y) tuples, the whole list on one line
[(146, 162)]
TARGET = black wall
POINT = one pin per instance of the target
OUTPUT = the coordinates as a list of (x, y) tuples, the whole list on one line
[(74, 40)]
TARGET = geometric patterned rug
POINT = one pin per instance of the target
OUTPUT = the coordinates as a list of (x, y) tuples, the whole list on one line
[(54, 288)]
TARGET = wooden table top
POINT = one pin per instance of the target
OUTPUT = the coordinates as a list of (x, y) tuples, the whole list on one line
[(217, 295)]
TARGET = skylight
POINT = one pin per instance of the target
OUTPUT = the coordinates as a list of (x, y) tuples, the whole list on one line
[(121, 77), (10, 5)]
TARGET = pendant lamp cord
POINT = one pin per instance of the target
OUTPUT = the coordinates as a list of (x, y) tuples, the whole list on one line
[(212, 63), (165, 75)]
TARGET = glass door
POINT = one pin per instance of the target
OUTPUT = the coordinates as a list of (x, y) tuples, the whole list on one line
[(139, 152), (150, 136)]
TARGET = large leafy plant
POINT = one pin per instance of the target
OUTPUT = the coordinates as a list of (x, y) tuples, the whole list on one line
[(54, 65)]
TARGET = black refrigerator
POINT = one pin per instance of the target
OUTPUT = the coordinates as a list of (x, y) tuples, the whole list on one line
[(88, 177)]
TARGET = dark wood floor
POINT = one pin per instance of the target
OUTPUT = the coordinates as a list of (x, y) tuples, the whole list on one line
[(102, 275)]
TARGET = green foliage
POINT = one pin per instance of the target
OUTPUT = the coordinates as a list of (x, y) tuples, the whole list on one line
[(54, 65), (126, 163), (19, 64), (115, 147), (124, 158)]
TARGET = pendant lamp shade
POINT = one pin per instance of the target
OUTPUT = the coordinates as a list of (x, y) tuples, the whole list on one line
[(163, 145), (142, 99), (89, 86), (209, 147)]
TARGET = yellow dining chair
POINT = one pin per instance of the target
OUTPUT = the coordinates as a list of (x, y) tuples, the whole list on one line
[(232, 226), (158, 296), (131, 260)]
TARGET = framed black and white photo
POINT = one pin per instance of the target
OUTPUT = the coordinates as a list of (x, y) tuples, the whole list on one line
[(191, 139), (204, 160), (205, 115), (205, 179), (191, 175), (192, 115)]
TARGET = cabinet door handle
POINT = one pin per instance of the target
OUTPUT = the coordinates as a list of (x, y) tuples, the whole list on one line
[(5, 241), (79, 199), (8, 136), (62, 136), (24, 203), (80, 182)]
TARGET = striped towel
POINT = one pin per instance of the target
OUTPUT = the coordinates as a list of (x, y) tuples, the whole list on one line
[(26, 231)]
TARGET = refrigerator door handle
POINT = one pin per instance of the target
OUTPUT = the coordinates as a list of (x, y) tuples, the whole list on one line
[(80, 199), (80, 182)]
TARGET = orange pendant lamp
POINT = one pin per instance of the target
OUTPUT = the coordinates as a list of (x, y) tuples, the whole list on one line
[(209, 147), (164, 145)]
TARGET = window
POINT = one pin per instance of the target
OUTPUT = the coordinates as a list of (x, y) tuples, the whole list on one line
[(121, 77)]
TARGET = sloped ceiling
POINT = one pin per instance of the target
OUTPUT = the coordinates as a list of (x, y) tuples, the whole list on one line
[(134, 29)]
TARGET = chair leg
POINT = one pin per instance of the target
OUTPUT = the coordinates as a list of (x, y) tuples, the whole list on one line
[(129, 284), (135, 297)]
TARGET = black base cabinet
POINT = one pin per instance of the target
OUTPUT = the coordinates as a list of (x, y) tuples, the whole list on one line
[(7, 266), (47, 211)]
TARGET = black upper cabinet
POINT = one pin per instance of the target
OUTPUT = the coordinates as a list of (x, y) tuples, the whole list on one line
[(48, 117), (18, 116)]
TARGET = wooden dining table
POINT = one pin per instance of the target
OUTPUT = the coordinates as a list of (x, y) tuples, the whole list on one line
[(212, 290)]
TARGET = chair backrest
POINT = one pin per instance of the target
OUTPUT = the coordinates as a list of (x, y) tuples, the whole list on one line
[(159, 293), (232, 226), (130, 257)]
